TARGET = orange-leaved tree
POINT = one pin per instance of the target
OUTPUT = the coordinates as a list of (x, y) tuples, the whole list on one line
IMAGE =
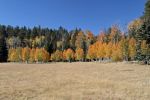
[(116, 52), (79, 54), (108, 50), (32, 55), (64, 55), (91, 52), (69, 55), (100, 50), (25, 54), (45, 55)]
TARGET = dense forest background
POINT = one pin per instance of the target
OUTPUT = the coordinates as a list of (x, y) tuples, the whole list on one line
[(23, 44)]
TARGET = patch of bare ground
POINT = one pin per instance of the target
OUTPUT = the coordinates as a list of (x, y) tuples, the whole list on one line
[(74, 81)]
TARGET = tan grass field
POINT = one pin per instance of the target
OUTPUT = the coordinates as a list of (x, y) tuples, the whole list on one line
[(74, 81)]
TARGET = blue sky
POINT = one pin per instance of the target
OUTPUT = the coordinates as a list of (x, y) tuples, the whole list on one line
[(94, 15)]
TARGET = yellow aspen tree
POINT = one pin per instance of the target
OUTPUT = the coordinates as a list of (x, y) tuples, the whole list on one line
[(116, 53), (104, 50), (91, 52), (79, 54), (47, 55), (13, 55), (53, 57), (10, 51), (26, 54), (108, 50), (57, 56), (40, 55), (64, 55), (120, 50), (98, 50), (69, 54), (132, 48), (123, 46), (32, 55), (36, 54), (18, 54), (23, 54)]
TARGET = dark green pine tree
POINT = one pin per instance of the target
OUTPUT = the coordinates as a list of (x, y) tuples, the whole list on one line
[(3, 47), (147, 22), (143, 33), (146, 29), (139, 38), (147, 9)]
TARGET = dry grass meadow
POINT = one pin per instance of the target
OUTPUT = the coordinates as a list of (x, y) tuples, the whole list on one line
[(74, 81)]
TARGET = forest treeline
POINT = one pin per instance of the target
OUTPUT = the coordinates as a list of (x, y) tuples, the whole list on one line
[(23, 44)]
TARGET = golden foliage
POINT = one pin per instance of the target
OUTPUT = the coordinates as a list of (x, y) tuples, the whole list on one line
[(132, 48), (57, 56), (79, 54), (69, 54)]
